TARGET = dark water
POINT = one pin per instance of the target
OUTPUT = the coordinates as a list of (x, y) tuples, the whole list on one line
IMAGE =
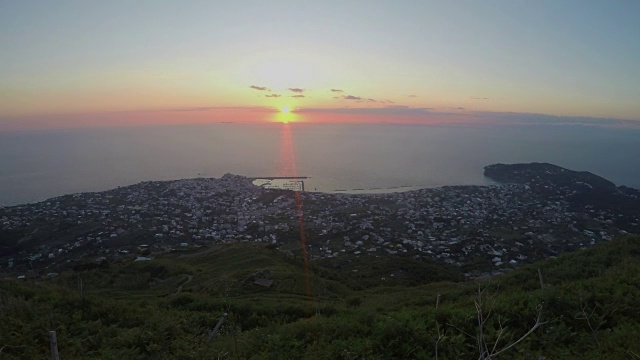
[(38, 165)]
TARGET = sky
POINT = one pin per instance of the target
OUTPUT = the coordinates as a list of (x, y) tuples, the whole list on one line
[(84, 63)]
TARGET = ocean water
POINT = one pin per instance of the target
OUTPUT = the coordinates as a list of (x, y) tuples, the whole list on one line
[(37, 165)]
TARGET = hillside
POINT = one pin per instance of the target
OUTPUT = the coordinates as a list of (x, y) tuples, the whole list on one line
[(583, 189), (166, 308), (527, 173)]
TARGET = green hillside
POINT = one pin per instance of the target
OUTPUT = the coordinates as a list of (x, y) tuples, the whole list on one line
[(358, 308)]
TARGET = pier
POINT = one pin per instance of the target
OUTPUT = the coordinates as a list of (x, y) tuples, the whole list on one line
[(294, 183)]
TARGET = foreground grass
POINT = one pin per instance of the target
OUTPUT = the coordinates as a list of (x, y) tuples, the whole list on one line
[(166, 308)]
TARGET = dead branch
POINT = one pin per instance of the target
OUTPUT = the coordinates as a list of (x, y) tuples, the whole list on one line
[(440, 335), (484, 315), (635, 356), (11, 347), (587, 316), (462, 331), (531, 330)]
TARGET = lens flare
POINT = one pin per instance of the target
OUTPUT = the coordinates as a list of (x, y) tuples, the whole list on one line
[(287, 167)]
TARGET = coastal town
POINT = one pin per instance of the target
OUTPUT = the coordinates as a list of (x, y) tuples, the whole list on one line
[(482, 229)]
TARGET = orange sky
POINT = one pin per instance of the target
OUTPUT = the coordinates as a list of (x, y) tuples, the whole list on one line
[(85, 64)]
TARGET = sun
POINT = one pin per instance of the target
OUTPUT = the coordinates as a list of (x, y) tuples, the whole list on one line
[(286, 114)]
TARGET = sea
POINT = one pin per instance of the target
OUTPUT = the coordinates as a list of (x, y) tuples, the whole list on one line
[(336, 158)]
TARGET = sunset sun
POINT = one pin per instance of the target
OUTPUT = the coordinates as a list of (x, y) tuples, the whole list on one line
[(286, 115)]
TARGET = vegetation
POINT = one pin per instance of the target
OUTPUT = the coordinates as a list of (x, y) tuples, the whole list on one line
[(579, 305)]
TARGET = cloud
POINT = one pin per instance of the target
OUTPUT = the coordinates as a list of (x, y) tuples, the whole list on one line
[(296, 90), (198, 109), (297, 96), (479, 98), (389, 110), (412, 95), (426, 115), (358, 98), (419, 115), (544, 119), (337, 90), (272, 95), (261, 88)]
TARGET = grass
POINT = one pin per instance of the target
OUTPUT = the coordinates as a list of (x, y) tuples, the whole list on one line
[(165, 308)]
